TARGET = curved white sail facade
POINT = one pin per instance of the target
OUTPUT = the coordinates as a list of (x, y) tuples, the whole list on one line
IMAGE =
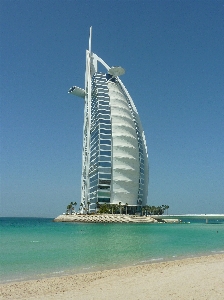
[(125, 153), (115, 160)]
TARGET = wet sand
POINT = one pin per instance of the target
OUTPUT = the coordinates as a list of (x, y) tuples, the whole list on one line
[(191, 278)]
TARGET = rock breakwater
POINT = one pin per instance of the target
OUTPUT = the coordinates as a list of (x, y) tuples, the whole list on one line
[(105, 218)]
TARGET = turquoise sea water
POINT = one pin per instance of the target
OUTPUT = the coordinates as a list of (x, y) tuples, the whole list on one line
[(37, 248)]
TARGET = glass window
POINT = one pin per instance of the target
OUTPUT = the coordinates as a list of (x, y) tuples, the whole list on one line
[(105, 136), (104, 170), (93, 199), (105, 131), (105, 117), (141, 180), (94, 153), (93, 184), (141, 165), (105, 126), (104, 164), (103, 187), (103, 193), (107, 153), (107, 200), (92, 189), (105, 175), (105, 158), (142, 175), (94, 132), (105, 142), (105, 147), (94, 147), (103, 95), (93, 177), (103, 121), (104, 106), (104, 102), (93, 160), (104, 181), (103, 113), (93, 140), (140, 150)]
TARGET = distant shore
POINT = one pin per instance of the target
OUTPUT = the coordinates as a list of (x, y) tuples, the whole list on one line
[(190, 278), (110, 218)]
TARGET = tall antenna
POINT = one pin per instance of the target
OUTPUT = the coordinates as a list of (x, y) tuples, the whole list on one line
[(90, 39)]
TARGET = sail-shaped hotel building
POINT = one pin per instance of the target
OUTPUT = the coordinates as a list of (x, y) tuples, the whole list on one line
[(114, 158)]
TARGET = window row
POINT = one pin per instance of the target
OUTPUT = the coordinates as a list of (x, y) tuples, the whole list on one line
[(104, 170), (105, 142), (104, 164), (103, 199), (104, 158), (104, 176), (105, 148), (103, 193), (103, 187)]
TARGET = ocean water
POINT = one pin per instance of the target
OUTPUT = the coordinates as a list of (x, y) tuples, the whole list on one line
[(33, 248)]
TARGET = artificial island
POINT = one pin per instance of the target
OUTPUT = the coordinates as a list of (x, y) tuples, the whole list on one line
[(115, 170)]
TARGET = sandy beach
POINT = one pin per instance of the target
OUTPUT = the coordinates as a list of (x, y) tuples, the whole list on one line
[(191, 278)]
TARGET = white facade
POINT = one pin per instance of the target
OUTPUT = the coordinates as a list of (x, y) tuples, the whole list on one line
[(115, 159)]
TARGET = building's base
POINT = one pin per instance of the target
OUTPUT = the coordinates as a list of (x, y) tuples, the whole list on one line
[(106, 218)]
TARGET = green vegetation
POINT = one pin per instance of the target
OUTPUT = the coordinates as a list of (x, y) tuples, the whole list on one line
[(71, 208), (155, 210), (107, 208)]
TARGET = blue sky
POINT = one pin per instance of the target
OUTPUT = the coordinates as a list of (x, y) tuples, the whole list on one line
[(172, 52)]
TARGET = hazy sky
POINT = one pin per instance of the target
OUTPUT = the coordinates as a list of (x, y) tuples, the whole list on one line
[(173, 54)]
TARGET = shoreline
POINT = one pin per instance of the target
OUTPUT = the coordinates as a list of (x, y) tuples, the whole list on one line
[(99, 268), (187, 278)]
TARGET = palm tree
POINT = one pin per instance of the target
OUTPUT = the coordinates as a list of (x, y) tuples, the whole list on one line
[(163, 208), (126, 207), (75, 203), (97, 205), (81, 207), (147, 209), (120, 207), (114, 208), (167, 207), (70, 208), (153, 210), (88, 203)]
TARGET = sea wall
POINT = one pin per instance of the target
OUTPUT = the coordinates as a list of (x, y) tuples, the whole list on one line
[(105, 218)]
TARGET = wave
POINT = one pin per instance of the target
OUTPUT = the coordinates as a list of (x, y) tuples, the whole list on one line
[(217, 251)]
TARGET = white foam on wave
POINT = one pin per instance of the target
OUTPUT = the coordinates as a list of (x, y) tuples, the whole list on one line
[(34, 241), (87, 268), (58, 272), (16, 279), (156, 259), (220, 251), (149, 261)]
